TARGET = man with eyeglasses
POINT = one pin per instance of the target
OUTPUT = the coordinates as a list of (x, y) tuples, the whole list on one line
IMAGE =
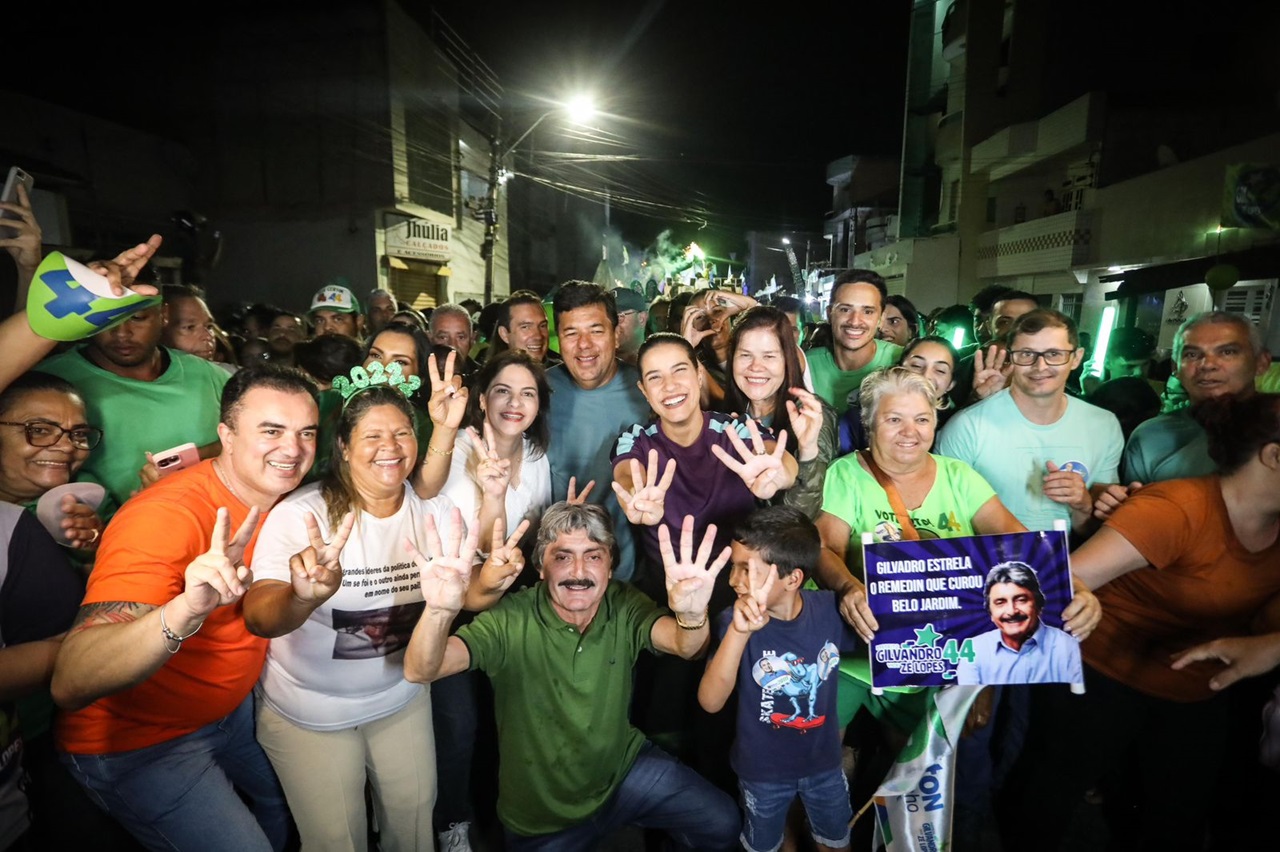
[(144, 397), (1040, 448)]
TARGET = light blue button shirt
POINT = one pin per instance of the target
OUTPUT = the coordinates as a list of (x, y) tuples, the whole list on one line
[(1049, 656)]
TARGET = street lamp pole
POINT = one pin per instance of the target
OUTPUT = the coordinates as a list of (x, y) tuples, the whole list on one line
[(498, 154)]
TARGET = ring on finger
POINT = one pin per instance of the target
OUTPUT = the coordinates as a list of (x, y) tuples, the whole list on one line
[(96, 533)]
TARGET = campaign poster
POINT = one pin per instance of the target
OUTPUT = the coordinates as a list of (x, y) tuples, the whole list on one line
[(974, 610)]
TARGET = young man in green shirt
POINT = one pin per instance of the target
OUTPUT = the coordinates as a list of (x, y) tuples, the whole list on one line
[(560, 656), (857, 301)]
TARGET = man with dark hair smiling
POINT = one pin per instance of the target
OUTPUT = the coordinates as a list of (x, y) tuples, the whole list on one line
[(1022, 648), (157, 673), (595, 396), (857, 302)]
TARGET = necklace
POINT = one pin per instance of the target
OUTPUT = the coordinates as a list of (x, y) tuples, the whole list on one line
[(227, 482)]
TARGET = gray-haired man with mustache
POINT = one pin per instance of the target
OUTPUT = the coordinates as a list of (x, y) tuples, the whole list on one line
[(1022, 648)]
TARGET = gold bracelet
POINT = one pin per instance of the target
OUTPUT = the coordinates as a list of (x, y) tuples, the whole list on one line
[(431, 449), (701, 624)]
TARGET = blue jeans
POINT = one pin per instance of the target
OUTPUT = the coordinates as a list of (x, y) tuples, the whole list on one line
[(659, 792), (182, 794), (825, 797)]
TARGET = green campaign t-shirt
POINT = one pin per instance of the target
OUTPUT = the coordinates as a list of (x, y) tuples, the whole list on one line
[(852, 494), (834, 385), (182, 405), (562, 700)]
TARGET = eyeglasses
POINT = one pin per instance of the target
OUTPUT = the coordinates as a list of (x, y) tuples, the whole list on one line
[(1052, 357), (44, 433)]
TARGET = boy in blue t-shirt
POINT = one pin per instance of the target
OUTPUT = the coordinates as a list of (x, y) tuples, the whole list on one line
[(780, 646)]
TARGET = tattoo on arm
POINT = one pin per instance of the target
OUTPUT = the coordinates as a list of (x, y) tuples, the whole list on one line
[(108, 612)]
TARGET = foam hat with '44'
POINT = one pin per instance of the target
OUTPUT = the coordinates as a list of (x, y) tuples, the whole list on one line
[(69, 301)]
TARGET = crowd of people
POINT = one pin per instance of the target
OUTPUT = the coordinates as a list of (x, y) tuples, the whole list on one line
[(391, 523)]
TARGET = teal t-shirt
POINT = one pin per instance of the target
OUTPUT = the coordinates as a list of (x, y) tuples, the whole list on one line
[(584, 425), (1011, 452), (136, 417), (834, 385), (1171, 446), (562, 700)]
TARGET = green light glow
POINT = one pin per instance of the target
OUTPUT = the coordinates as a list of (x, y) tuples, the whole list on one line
[(1099, 365), (957, 336)]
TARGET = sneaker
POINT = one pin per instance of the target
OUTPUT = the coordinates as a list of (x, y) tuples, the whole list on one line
[(456, 839)]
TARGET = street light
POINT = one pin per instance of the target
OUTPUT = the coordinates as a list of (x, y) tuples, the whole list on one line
[(579, 110)]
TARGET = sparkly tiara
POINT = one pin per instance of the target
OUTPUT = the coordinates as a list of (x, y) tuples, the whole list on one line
[(376, 375)]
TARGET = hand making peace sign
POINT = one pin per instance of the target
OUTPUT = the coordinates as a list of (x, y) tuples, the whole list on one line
[(447, 402), (505, 560), (750, 611), (315, 572), (219, 576)]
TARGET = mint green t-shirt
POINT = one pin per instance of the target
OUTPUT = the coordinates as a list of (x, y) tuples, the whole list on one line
[(834, 385), (562, 700), (138, 417), (1012, 453), (853, 495)]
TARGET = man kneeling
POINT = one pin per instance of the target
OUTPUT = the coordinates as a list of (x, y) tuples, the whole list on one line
[(560, 656)]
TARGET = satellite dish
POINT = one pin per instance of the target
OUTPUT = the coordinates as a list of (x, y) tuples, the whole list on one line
[(1165, 156)]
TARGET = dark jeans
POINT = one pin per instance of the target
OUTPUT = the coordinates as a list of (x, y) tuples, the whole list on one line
[(1074, 739), (453, 715), (185, 793), (659, 792)]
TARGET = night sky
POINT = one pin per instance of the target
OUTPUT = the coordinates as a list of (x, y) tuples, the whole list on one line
[(734, 113)]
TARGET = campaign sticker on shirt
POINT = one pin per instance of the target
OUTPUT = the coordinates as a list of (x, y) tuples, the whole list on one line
[(971, 610), (1076, 467)]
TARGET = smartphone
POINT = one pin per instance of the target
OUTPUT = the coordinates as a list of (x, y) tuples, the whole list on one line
[(10, 194), (178, 458)]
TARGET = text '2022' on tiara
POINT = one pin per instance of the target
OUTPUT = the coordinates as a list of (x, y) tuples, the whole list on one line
[(376, 375)]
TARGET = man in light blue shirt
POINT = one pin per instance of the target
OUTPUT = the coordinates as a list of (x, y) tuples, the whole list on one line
[(1041, 449), (1022, 648)]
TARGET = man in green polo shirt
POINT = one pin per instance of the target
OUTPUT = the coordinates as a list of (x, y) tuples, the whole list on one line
[(560, 656), (857, 301)]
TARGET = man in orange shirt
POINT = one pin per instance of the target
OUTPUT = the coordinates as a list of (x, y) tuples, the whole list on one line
[(157, 672)]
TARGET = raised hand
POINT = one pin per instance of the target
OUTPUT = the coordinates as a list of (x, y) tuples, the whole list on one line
[(446, 568), (1067, 487), (1244, 656), (693, 317), (219, 576), (575, 499), (448, 403), (805, 415), (316, 572), (505, 560), (689, 578), (26, 239), (751, 611), (645, 502), (990, 374), (763, 472), (81, 526), (492, 471), (123, 269)]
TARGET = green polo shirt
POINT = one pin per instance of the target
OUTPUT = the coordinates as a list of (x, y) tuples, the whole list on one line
[(562, 700), (834, 385)]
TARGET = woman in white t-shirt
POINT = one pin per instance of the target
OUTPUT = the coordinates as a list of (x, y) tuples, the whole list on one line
[(334, 709), (507, 420)]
